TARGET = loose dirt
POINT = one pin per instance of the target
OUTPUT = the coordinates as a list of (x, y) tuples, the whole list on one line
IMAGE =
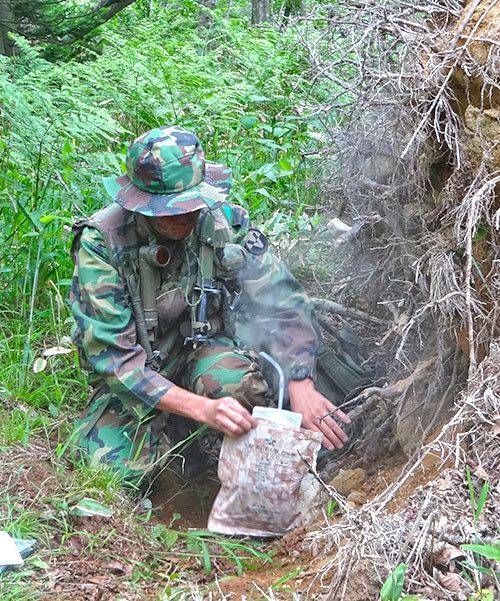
[(98, 558), (173, 496), (295, 567)]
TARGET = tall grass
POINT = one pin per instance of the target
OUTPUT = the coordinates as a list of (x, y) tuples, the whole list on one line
[(64, 125)]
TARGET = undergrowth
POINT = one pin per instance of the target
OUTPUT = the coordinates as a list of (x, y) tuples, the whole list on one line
[(64, 124)]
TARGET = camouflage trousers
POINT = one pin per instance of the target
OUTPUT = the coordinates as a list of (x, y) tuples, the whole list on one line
[(137, 440)]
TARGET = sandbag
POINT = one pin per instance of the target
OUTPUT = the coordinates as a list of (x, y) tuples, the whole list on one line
[(262, 476)]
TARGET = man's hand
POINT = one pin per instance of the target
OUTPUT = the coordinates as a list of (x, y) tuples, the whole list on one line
[(305, 399), (228, 416), (225, 414)]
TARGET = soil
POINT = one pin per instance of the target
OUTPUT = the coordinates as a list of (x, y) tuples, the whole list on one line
[(102, 556), (80, 558), (295, 568), (190, 500)]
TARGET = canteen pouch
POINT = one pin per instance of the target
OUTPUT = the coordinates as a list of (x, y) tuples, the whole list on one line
[(263, 480)]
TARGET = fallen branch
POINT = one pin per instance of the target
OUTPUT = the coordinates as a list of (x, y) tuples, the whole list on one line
[(328, 306)]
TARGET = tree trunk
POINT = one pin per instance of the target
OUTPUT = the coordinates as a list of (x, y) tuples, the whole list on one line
[(6, 24), (261, 11)]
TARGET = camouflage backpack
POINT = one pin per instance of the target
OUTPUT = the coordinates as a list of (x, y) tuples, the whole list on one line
[(342, 368)]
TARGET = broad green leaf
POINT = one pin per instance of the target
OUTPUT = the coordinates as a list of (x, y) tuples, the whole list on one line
[(393, 586), (53, 410), (268, 170), (165, 535), (49, 218), (488, 551), (330, 508), (67, 148), (481, 569), (285, 165), (482, 499), (264, 192), (170, 538), (88, 507), (249, 121), (207, 563), (269, 144), (259, 98), (280, 131)]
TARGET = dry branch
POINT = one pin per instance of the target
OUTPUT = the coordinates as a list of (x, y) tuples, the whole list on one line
[(329, 306), (413, 124)]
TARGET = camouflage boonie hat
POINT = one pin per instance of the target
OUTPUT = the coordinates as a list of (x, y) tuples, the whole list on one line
[(167, 175)]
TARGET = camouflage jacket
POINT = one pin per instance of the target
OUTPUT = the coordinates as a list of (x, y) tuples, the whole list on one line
[(274, 313)]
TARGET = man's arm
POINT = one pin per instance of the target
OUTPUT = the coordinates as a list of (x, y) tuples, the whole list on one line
[(106, 334), (225, 414), (279, 315), (281, 323)]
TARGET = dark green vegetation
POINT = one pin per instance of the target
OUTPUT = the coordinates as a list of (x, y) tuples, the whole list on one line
[(65, 125), (65, 121)]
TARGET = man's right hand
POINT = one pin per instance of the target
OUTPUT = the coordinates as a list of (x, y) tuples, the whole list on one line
[(228, 416), (225, 414)]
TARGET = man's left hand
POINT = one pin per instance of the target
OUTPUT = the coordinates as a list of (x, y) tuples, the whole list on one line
[(305, 399)]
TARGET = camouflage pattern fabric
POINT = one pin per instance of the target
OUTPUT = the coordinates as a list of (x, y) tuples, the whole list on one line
[(272, 314), (262, 474), (111, 431), (222, 369), (166, 175), (134, 439)]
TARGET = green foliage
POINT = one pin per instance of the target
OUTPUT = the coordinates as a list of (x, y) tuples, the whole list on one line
[(281, 584), (65, 125), (206, 546), (393, 586), (330, 507), (483, 595), (477, 503), (474, 571), (488, 551)]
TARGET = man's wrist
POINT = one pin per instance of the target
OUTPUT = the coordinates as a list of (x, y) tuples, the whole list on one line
[(198, 409), (304, 384), (183, 402)]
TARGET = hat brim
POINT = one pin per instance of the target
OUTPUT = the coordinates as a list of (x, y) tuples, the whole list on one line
[(130, 197)]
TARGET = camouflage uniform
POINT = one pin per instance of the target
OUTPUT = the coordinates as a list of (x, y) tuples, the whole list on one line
[(121, 424)]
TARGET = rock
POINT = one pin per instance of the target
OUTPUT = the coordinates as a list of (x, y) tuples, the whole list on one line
[(348, 480), (313, 499), (357, 497)]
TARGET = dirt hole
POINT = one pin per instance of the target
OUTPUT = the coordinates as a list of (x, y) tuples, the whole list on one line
[(295, 564)]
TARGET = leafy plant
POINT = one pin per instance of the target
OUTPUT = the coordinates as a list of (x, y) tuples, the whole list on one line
[(482, 595), (488, 551), (66, 124), (475, 570), (206, 546), (393, 586), (477, 503), (281, 583), (330, 507)]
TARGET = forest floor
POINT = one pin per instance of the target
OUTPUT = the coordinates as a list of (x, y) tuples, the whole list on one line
[(140, 553)]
